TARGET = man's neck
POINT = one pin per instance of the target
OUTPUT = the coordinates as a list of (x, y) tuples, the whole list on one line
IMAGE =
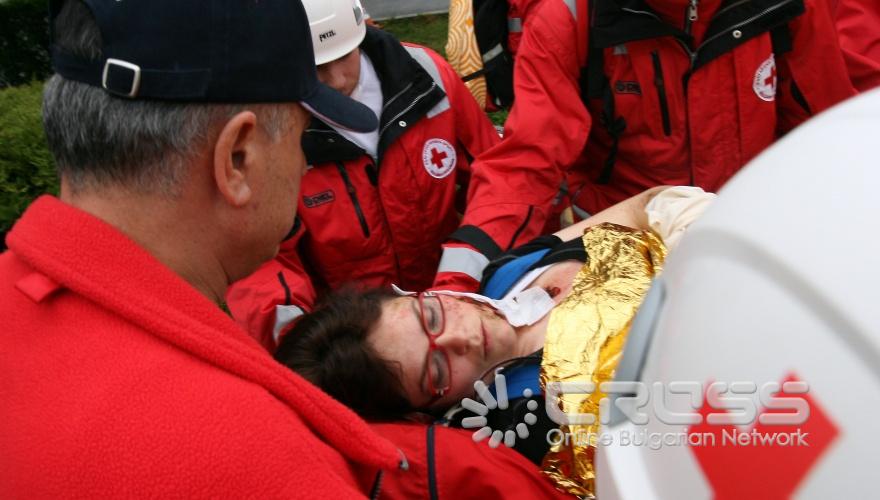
[(163, 228)]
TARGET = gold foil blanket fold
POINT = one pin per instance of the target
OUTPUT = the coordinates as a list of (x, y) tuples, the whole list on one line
[(585, 338)]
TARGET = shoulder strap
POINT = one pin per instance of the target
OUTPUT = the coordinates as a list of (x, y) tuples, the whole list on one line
[(595, 85), (780, 36)]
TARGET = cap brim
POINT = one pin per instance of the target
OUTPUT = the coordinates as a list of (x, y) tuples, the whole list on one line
[(337, 110)]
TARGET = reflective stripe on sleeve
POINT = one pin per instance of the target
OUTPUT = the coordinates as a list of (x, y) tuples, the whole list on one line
[(514, 24), (284, 316), (463, 260)]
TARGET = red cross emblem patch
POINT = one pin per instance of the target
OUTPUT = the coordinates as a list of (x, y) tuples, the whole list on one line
[(438, 157), (765, 80)]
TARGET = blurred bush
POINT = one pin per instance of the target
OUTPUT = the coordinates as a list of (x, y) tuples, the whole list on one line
[(26, 167), (24, 41)]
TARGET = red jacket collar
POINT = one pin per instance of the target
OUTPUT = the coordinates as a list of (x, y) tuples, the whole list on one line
[(93, 259)]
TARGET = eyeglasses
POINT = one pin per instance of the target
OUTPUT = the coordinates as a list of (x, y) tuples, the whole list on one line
[(433, 318)]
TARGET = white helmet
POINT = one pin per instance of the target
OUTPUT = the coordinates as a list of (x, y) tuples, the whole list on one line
[(337, 26), (777, 282)]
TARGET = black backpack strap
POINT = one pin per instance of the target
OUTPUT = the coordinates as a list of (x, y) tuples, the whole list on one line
[(780, 36), (477, 238), (596, 85)]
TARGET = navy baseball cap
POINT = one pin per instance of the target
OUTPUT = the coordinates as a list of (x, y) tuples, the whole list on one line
[(219, 51)]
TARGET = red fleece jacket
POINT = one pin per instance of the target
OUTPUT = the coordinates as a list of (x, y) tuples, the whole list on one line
[(118, 379)]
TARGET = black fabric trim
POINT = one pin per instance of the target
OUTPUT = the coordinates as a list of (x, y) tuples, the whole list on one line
[(660, 84), (569, 250), (612, 25), (322, 144), (406, 86), (474, 75), (352, 194), (539, 243), (432, 465), (521, 227), (372, 173), (782, 12), (477, 238), (620, 21), (781, 39), (288, 297)]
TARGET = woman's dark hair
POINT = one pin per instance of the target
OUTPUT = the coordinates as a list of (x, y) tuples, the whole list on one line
[(329, 349)]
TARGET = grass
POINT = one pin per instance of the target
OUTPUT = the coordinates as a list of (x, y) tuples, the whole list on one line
[(429, 31)]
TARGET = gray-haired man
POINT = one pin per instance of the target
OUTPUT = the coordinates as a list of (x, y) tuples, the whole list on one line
[(175, 126)]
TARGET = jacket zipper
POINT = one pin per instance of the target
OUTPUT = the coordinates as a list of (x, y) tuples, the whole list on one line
[(352, 193), (661, 93), (693, 53), (377, 486), (408, 108), (396, 96), (747, 21), (691, 16)]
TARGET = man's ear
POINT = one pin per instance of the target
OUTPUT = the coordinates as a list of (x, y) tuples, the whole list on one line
[(234, 154)]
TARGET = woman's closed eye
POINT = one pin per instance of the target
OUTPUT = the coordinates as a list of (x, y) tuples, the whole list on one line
[(438, 370)]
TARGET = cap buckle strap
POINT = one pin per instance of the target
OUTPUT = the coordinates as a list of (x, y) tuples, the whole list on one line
[(135, 80)]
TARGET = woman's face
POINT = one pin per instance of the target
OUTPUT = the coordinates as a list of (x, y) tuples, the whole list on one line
[(475, 338)]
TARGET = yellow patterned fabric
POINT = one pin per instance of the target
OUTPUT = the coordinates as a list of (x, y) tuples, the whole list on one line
[(462, 51), (585, 339)]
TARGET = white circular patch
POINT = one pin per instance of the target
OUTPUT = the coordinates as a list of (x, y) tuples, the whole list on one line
[(438, 157), (765, 80)]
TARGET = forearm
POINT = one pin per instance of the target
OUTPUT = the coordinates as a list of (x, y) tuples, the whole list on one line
[(630, 213)]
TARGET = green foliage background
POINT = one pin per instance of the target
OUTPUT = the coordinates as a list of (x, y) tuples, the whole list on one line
[(26, 168), (24, 39)]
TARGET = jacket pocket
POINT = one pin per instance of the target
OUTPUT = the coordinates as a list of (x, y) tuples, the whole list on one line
[(352, 194), (660, 84)]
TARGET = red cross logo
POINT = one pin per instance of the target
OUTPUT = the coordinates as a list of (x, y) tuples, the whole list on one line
[(437, 157), (764, 83), (771, 80), (763, 471)]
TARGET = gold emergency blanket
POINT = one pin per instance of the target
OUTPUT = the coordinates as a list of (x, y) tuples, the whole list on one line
[(585, 339), (462, 50)]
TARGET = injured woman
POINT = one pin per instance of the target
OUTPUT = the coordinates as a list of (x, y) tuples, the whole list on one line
[(554, 310)]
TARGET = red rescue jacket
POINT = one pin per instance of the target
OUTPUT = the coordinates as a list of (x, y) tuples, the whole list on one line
[(121, 380), (446, 463), (858, 24), (679, 102), (374, 222)]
